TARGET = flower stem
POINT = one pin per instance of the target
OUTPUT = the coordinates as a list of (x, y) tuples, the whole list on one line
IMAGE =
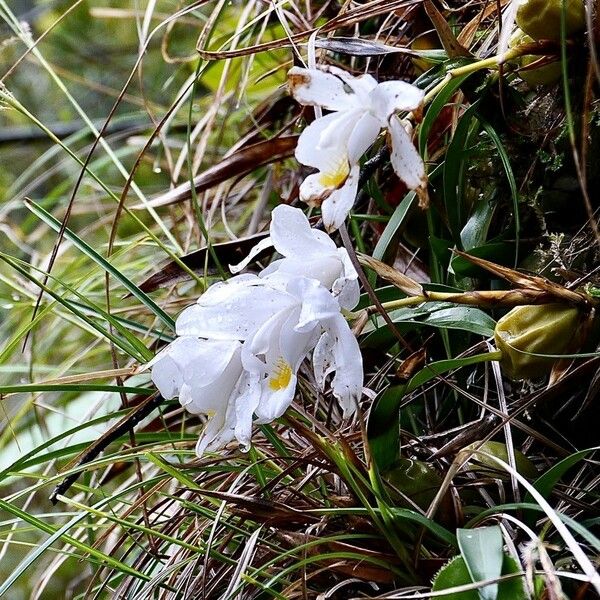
[(485, 63)]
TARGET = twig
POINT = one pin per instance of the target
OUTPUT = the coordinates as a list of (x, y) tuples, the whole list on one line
[(127, 423)]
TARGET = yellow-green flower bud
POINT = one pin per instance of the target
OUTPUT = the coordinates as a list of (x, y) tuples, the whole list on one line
[(541, 18), (538, 329), (544, 75), (482, 462)]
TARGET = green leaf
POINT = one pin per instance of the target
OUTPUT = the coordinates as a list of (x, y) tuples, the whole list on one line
[(499, 252), (474, 233), (55, 535), (439, 531), (73, 387), (435, 108), (70, 306), (441, 315), (432, 370), (511, 180), (455, 573), (131, 287), (481, 549), (545, 484), (383, 428), (454, 172), (393, 225), (465, 318), (578, 528)]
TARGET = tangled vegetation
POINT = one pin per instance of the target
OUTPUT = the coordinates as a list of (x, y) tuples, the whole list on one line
[(145, 148)]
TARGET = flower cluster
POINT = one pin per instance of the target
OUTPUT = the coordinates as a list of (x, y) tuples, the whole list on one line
[(334, 144), (238, 349)]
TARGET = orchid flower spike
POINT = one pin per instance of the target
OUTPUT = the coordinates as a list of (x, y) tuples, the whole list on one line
[(240, 348), (306, 252), (333, 144)]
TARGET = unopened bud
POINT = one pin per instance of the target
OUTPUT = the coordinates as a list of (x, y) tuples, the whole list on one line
[(546, 74), (527, 331), (541, 18)]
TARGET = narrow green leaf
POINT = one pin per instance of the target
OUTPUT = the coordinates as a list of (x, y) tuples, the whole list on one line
[(122, 344), (435, 108), (73, 387), (481, 549), (454, 173), (393, 225), (545, 484), (131, 287), (383, 428), (511, 180), (432, 370), (55, 535)]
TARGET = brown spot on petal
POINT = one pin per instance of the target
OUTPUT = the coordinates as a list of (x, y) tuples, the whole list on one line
[(423, 196), (296, 80)]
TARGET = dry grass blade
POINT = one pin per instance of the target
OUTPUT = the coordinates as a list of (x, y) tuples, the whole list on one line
[(200, 261), (401, 281), (350, 568), (528, 282), (239, 163), (451, 45)]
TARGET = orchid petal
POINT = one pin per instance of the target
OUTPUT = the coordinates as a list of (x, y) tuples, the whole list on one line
[(322, 137), (405, 159), (207, 360), (275, 402), (336, 207), (346, 288), (293, 236), (312, 190), (248, 398), (391, 96), (317, 303), (347, 292), (315, 87), (323, 363), (254, 251), (337, 351), (199, 396), (348, 379), (364, 133), (233, 310), (308, 252), (362, 85), (217, 433), (326, 269)]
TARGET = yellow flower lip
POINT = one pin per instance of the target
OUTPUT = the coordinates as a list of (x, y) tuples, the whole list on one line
[(282, 374), (336, 174)]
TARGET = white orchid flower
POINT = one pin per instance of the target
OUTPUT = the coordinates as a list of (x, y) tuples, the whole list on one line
[(280, 320), (333, 144), (307, 252), (208, 378), (276, 350)]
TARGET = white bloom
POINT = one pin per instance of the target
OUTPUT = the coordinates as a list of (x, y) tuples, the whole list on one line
[(307, 252), (311, 321), (333, 144), (208, 377), (280, 320)]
